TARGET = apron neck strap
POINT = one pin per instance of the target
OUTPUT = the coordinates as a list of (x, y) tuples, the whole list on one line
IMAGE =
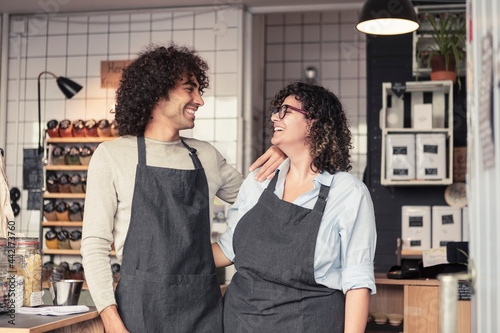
[(141, 148), (192, 154), (322, 197)]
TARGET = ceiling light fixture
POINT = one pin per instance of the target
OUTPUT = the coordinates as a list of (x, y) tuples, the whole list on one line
[(387, 17)]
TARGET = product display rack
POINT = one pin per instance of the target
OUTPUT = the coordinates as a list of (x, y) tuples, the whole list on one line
[(48, 166), (440, 93)]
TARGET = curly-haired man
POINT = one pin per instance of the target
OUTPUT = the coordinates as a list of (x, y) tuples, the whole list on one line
[(149, 192)]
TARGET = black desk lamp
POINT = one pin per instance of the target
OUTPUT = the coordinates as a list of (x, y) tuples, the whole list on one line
[(69, 89)]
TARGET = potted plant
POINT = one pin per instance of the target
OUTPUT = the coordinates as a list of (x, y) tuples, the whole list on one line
[(448, 47)]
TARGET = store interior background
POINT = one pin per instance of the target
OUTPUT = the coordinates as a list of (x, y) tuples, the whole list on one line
[(260, 50)]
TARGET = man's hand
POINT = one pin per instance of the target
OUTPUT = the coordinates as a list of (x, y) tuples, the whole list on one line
[(268, 162), (112, 321)]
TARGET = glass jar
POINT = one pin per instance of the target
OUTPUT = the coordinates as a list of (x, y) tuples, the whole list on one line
[(103, 128), (4, 282), (79, 128), (74, 156), (91, 128), (28, 263)]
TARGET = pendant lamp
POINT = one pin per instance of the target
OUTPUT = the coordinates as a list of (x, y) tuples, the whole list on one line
[(387, 17), (68, 87)]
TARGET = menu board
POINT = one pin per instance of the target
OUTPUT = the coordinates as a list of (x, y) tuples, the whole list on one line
[(32, 170)]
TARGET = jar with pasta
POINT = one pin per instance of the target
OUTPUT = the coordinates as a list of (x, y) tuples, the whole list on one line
[(28, 263)]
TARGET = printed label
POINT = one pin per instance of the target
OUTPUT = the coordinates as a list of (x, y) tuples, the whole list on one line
[(400, 172), (399, 150), (447, 219), (415, 243), (416, 221), (430, 149), (431, 171)]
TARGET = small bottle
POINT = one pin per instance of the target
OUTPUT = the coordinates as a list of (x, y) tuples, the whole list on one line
[(63, 240), (51, 240), (74, 156), (85, 155), (66, 128), (58, 156), (91, 128), (53, 128), (103, 128), (49, 211), (62, 211), (64, 184), (51, 183), (75, 212), (78, 128), (114, 128), (75, 239)]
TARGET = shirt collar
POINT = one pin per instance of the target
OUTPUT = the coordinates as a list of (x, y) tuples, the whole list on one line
[(324, 178)]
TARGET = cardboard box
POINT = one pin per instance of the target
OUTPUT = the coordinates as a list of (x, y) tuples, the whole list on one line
[(422, 116), (446, 225), (416, 227), (400, 156), (431, 156)]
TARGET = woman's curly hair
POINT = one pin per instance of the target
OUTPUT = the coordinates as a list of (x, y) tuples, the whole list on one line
[(329, 137), (148, 79)]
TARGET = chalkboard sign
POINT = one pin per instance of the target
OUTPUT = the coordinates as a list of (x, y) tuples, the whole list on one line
[(34, 200), (463, 291), (32, 170), (111, 72)]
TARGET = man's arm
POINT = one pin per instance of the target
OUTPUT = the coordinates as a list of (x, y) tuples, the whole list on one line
[(112, 321), (356, 310), (219, 257), (268, 163)]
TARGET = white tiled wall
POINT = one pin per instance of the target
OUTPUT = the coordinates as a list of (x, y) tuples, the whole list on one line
[(74, 45), (330, 42)]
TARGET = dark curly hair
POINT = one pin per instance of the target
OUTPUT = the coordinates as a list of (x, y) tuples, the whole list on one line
[(329, 137), (148, 79)]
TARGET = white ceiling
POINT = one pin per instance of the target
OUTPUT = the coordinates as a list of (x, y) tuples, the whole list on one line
[(65, 6)]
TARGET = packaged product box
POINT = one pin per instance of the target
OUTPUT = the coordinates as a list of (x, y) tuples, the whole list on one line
[(422, 116), (416, 227), (446, 225), (431, 156), (400, 156)]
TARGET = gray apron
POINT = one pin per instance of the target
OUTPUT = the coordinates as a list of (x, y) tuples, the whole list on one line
[(274, 289), (168, 279)]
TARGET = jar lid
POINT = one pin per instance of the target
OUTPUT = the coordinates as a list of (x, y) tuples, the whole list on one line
[(58, 151), (48, 264), (74, 151), (75, 208), (52, 124), (103, 123), (50, 235), (86, 151), (52, 179), (64, 179), (115, 268), (75, 235), (78, 124), (76, 267), (91, 123), (65, 265), (61, 207), (65, 124), (48, 207), (62, 235), (76, 179)]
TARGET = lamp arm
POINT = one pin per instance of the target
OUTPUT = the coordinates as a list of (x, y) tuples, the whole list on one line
[(40, 149)]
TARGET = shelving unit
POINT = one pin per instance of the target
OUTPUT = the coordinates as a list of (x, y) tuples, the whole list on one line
[(48, 166), (396, 118)]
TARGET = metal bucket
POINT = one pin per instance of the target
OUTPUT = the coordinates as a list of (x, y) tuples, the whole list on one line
[(66, 292)]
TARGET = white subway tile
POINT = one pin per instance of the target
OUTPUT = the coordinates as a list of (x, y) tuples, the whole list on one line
[(162, 21), (293, 18), (57, 65), (274, 52), (98, 24), (96, 109), (77, 44), (274, 71), (118, 43), (140, 22), (56, 45), (138, 41), (204, 40), (78, 25), (183, 37), (293, 52), (293, 71), (94, 89), (226, 84), (311, 51), (230, 16), (204, 129), (226, 107), (228, 41), (54, 109), (312, 17), (34, 67), (58, 25), (119, 23), (293, 33), (183, 20), (226, 61), (311, 33), (204, 20), (274, 34), (37, 46), (98, 44), (163, 37)]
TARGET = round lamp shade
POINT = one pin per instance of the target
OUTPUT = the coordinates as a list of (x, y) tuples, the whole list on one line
[(387, 17)]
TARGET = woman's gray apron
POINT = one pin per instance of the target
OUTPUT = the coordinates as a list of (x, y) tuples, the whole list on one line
[(168, 279), (274, 289)]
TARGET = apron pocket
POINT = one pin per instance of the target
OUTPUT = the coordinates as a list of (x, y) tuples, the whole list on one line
[(180, 303)]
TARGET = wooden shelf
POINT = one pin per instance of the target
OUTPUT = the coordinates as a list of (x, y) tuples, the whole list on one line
[(81, 139), (67, 252), (66, 167), (62, 223), (410, 253), (64, 195)]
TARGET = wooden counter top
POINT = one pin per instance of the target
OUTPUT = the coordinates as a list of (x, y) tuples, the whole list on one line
[(36, 323)]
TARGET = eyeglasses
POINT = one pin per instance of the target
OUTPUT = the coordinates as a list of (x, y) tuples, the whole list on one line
[(282, 110)]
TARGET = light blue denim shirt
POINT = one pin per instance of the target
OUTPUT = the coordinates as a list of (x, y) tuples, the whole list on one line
[(345, 247)]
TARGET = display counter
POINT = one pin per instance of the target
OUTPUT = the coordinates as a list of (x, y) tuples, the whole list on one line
[(418, 301), (82, 322)]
